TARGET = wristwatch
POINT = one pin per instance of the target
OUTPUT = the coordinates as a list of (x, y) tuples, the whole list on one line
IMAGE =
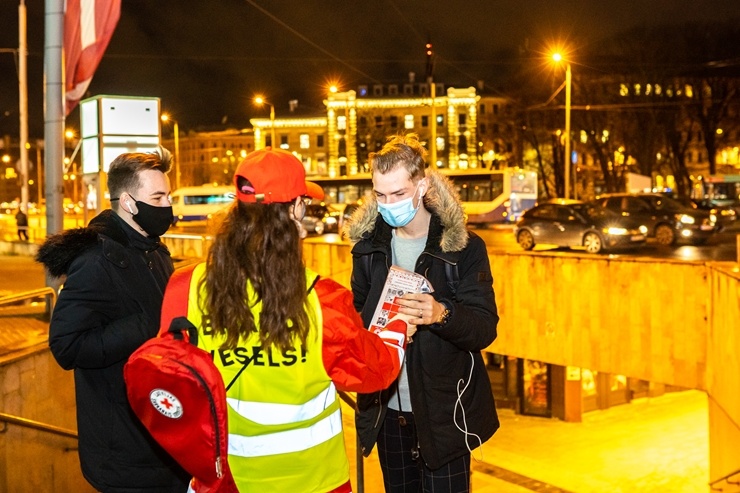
[(444, 316)]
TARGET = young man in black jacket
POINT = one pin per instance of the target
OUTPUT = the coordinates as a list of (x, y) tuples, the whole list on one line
[(441, 407), (116, 272)]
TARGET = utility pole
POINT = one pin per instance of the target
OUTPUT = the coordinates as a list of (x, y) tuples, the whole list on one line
[(23, 103), (568, 84), (54, 115)]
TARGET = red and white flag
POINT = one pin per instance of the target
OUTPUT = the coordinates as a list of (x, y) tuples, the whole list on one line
[(88, 27)]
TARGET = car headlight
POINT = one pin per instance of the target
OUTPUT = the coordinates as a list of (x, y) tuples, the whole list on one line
[(727, 212), (713, 218), (643, 229), (685, 218), (616, 231)]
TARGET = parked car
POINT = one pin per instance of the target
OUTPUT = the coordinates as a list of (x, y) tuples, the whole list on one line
[(320, 219), (726, 214), (572, 223), (666, 219)]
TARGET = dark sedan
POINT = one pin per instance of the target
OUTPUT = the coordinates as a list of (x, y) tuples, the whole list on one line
[(320, 219), (571, 223), (666, 219)]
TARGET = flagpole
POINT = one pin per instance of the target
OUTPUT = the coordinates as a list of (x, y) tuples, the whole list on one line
[(54, 115), (23, 102)]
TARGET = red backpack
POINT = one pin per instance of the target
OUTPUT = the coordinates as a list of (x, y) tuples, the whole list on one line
[(178, 394)]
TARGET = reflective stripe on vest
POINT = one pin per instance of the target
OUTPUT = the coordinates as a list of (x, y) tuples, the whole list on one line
[(285, 442), (268, 413)]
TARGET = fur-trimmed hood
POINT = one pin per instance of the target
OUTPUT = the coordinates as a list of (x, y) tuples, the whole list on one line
[(60, 250), (441, 199)]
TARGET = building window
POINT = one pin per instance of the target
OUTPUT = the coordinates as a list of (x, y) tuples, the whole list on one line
[(378, 121), (408, 121), (461, 117), (284, 142), (424, 121), (440, 120), (394, 121), (482, 128), (320, 140), (377, 90), (362, 90), (408, 89), (393, 90), (305, 141), (482, 109), (495, 128), (423, 89), (341, 123), (495, 109), (363, 121)]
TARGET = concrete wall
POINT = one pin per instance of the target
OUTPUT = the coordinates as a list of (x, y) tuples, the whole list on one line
[(34, 387), (665, 321), (723, 376)]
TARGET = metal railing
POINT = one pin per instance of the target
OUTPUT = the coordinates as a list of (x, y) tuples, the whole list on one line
[(359, 459), (36, 425), (48, 293)]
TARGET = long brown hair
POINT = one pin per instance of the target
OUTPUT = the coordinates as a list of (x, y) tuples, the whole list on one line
[(259, 243)]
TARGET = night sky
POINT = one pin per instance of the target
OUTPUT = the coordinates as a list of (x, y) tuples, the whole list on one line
[(207, 59)]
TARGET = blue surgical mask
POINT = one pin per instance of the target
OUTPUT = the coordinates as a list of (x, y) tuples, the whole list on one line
[(399, 214)]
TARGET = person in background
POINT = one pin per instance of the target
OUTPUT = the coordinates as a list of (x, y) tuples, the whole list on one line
[(116, 270), (21, 222), (441, 408), (284, 339)]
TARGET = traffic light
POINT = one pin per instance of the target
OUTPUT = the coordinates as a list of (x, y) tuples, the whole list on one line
[(430, 62)]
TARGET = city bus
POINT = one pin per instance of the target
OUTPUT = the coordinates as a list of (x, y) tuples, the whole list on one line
[(200, 203), (719, 190), (720, 193), (488, 196)]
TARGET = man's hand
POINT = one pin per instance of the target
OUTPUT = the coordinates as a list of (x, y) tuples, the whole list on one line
[(422, 307)]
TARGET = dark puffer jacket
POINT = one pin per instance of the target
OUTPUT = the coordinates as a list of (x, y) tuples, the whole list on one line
[(446, 371), (109, 305)]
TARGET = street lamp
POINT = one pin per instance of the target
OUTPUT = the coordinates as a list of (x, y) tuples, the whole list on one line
[(175, 128), (557, 57), (260, 101)]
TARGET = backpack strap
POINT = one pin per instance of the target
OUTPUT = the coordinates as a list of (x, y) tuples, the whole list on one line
[(246, 363), (175, 304)]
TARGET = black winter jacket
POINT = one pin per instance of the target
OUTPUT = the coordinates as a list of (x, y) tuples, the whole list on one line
[(110, 304), (446, 371)]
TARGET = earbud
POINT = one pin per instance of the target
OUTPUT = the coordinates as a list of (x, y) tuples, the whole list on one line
[(130, 209)]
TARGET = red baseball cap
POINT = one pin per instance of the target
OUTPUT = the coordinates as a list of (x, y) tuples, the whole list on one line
[(273, 175)]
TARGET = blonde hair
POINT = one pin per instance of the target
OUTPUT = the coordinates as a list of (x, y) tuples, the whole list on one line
[(400, 150)]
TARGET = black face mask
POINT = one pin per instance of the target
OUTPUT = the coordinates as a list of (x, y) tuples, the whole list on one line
[(154, 220)]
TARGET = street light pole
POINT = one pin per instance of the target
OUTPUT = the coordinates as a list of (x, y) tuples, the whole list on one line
[(260, 101), (567, 129), (176, 128), (272, 125)]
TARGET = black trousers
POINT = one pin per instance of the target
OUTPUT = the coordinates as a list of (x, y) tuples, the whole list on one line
[(404, 470)]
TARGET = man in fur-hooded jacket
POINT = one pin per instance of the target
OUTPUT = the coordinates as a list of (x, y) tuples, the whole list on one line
[(441, 407), (115, 271)]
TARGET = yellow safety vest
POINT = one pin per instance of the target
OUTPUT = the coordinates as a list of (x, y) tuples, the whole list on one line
[(285, 422)]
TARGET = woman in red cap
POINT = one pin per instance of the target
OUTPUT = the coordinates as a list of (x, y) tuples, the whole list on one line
[(288, 339)]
